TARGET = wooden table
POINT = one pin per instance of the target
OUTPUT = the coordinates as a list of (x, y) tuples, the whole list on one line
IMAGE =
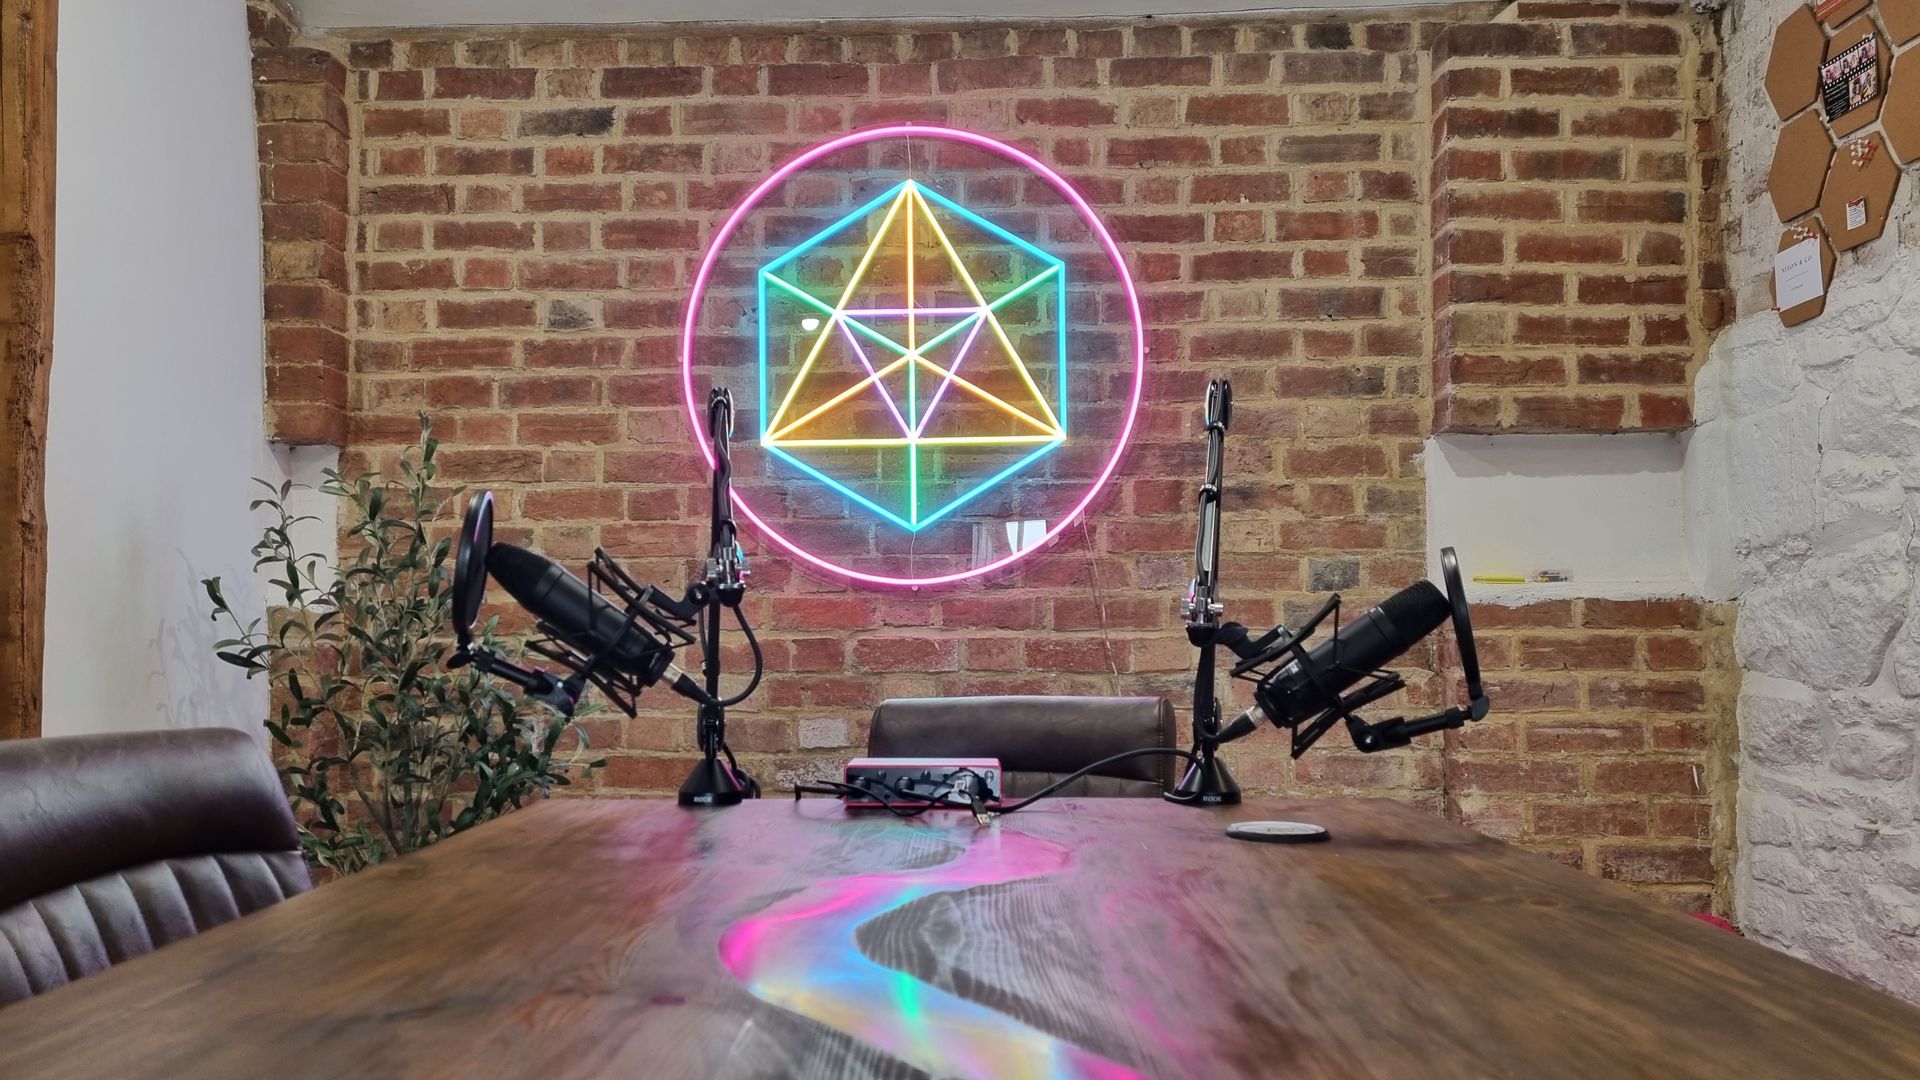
[(1081, 938)]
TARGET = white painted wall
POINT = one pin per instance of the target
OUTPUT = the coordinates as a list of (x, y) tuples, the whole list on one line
[(1603, 509), (1819, 427), (155, 423)]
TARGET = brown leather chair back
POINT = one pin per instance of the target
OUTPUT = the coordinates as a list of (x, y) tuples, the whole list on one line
[(1037, 739), (114, 845)]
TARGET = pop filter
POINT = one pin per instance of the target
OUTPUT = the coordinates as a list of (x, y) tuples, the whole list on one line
[(470, 564), (1463, 633)]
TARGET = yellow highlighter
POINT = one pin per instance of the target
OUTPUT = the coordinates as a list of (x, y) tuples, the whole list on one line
[(1499, 579)]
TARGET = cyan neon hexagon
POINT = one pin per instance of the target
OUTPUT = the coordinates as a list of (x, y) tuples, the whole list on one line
[(910, 384)]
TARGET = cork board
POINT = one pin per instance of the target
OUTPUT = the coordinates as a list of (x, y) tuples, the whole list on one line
[(1873, 181), (1900, 116), (1793, 68), (1810, 309), (1901, 18), (1801, 160), (1843, 39), (1840, 12)]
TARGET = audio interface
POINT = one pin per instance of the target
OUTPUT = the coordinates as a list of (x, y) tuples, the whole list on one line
[(908, 780)]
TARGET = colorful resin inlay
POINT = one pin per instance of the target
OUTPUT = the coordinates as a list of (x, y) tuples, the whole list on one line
[(801, 955)]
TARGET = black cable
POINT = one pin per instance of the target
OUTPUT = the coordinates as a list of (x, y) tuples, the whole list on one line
[(759, 661), (1050, 789), (844, 791)]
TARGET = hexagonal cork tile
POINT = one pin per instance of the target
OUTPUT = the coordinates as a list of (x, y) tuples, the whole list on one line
[(1901, 18), (1862, 180), (1793, 70), (1843, 39), (1807, 230), (1800, 161), (1843, 11), (1900, 116)]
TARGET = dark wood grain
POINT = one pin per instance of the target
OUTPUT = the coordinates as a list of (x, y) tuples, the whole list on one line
[(28, 49), (585, 938)]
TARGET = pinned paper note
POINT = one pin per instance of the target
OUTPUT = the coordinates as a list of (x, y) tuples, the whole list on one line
[(1796, 275), (1857, 213)]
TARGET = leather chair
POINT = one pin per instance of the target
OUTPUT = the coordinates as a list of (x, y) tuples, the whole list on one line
[(1037, 739), (114, 845)]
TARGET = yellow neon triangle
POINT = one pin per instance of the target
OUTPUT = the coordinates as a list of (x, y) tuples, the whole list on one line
[(859, 275), (993, 321)]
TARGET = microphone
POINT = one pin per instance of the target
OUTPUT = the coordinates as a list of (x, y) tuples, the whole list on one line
[(581, 617), (1367, 644)]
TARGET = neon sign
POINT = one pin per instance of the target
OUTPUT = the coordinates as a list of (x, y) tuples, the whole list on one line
[(913, 356), (912, 341)]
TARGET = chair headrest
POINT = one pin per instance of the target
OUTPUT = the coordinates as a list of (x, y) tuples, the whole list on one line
[(75, 807), (1028, 734)]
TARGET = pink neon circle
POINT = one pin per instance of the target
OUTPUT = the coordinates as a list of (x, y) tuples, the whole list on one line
[(921, 131)]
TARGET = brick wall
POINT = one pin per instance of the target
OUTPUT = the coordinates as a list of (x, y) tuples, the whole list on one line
[(300, 99), (525, 211), (1576, 277)]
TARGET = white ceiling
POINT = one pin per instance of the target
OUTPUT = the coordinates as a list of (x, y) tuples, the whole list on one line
[(350, 14)]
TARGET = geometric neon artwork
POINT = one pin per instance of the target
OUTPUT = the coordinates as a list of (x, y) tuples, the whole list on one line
[(946, 374), (915, 402)]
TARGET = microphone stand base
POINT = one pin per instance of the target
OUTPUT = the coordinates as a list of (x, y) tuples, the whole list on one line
[(1206, 783), (711, 784)]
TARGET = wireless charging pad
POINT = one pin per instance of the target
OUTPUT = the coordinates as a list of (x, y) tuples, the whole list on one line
[(1277, 832)]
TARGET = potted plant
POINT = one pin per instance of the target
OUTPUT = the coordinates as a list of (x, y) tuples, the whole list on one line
[(384, 750)]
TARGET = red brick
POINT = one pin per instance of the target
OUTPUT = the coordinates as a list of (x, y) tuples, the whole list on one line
[(472, 161), (1678, 695), (1238, 109), (879, 653), (1570, 330), (1462, 122), (793, 80), (1567, 412), (471, 235), (483, 314), (997, 73), (1625, 39), (1659, 207), (1628, 123), (650, 82), (1064, 112), (1647, 777), (1656, 865), (1158, 150), (1567, 81), (1567, 165), (541, 198), (1556, 776), (1589, 819), (1568, 248), (735, 118), (409, 274), (491, 83), (1154, 71)]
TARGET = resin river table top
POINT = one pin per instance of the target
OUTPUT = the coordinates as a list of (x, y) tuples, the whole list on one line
[(1080, 938)]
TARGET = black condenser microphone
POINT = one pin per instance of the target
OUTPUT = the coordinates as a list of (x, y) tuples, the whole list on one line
[(1300, 691), (577, 615)]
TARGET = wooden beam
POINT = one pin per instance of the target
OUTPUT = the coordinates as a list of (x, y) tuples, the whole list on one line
[(27, 42)]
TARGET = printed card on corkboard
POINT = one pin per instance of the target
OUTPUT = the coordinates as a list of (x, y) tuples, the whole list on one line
[(1802, 272), (1853, 77)]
